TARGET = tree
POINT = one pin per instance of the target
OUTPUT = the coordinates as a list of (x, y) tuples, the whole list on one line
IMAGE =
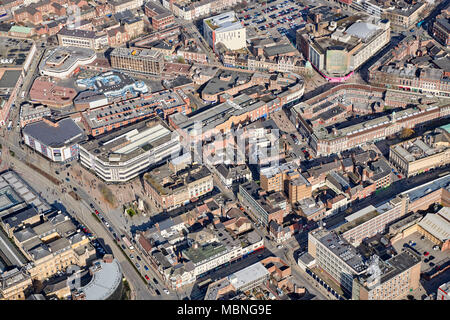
[(406, 133)]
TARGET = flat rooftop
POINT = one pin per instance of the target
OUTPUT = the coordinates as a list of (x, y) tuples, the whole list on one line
[(225, 80), (61, 59), (13, 52), (127, 110), (210, 117), (341, 248), (421, 191), (105, 280), (204, 253), (130, 141), (224, 22), (136, 53), (63, 133), (246, 276)]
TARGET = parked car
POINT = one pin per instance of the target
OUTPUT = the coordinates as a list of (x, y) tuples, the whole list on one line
[(147, 278), (155, 281), (139, 258), (432, 264), (131, 256), (146, 268), (430, 258), (436, 248), (166, 291), (426, 253), (137, 265), (96, 212), (157, 292)]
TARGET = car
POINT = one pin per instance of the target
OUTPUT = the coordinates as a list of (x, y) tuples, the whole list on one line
[(155, 281), (399, 176), (96, 212), (157, 292), (422, 238), (435, 248), (279, 246), (131, 257), (92, 206), (123, 247), (67, 179), (431, 258), (56, 171), (431, 264), (426, 260), (137, 265), (145, 267), (426, 253), (413, 244), (166, 291), (147, 278), (139, 258), (106, 224)]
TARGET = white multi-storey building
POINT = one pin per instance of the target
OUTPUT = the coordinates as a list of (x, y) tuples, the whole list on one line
[(225, 28)]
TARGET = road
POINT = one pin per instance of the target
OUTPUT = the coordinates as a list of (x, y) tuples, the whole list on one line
[(83, 214), (195, 33), (384, 195)]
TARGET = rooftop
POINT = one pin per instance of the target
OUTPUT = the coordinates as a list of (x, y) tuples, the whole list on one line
[(106, 279), (62, 133), (248, 275), (341, 248), (130, 141), (202, 254)]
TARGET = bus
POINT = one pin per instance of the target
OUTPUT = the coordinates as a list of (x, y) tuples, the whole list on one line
[(127, 243)]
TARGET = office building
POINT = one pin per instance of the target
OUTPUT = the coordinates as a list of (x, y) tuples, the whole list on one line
[(123, 154), (225, 28), (392, 279), (339, 48), (169, 188), (137, 60), (418, 155), (371, 220), (337, 257)]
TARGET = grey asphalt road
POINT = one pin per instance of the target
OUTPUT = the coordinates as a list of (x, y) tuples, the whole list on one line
[(81, 213)]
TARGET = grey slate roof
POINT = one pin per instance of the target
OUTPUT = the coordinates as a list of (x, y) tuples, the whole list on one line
[(67, 131)]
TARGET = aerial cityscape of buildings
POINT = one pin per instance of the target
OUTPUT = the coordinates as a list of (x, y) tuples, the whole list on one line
[(224, 150)]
